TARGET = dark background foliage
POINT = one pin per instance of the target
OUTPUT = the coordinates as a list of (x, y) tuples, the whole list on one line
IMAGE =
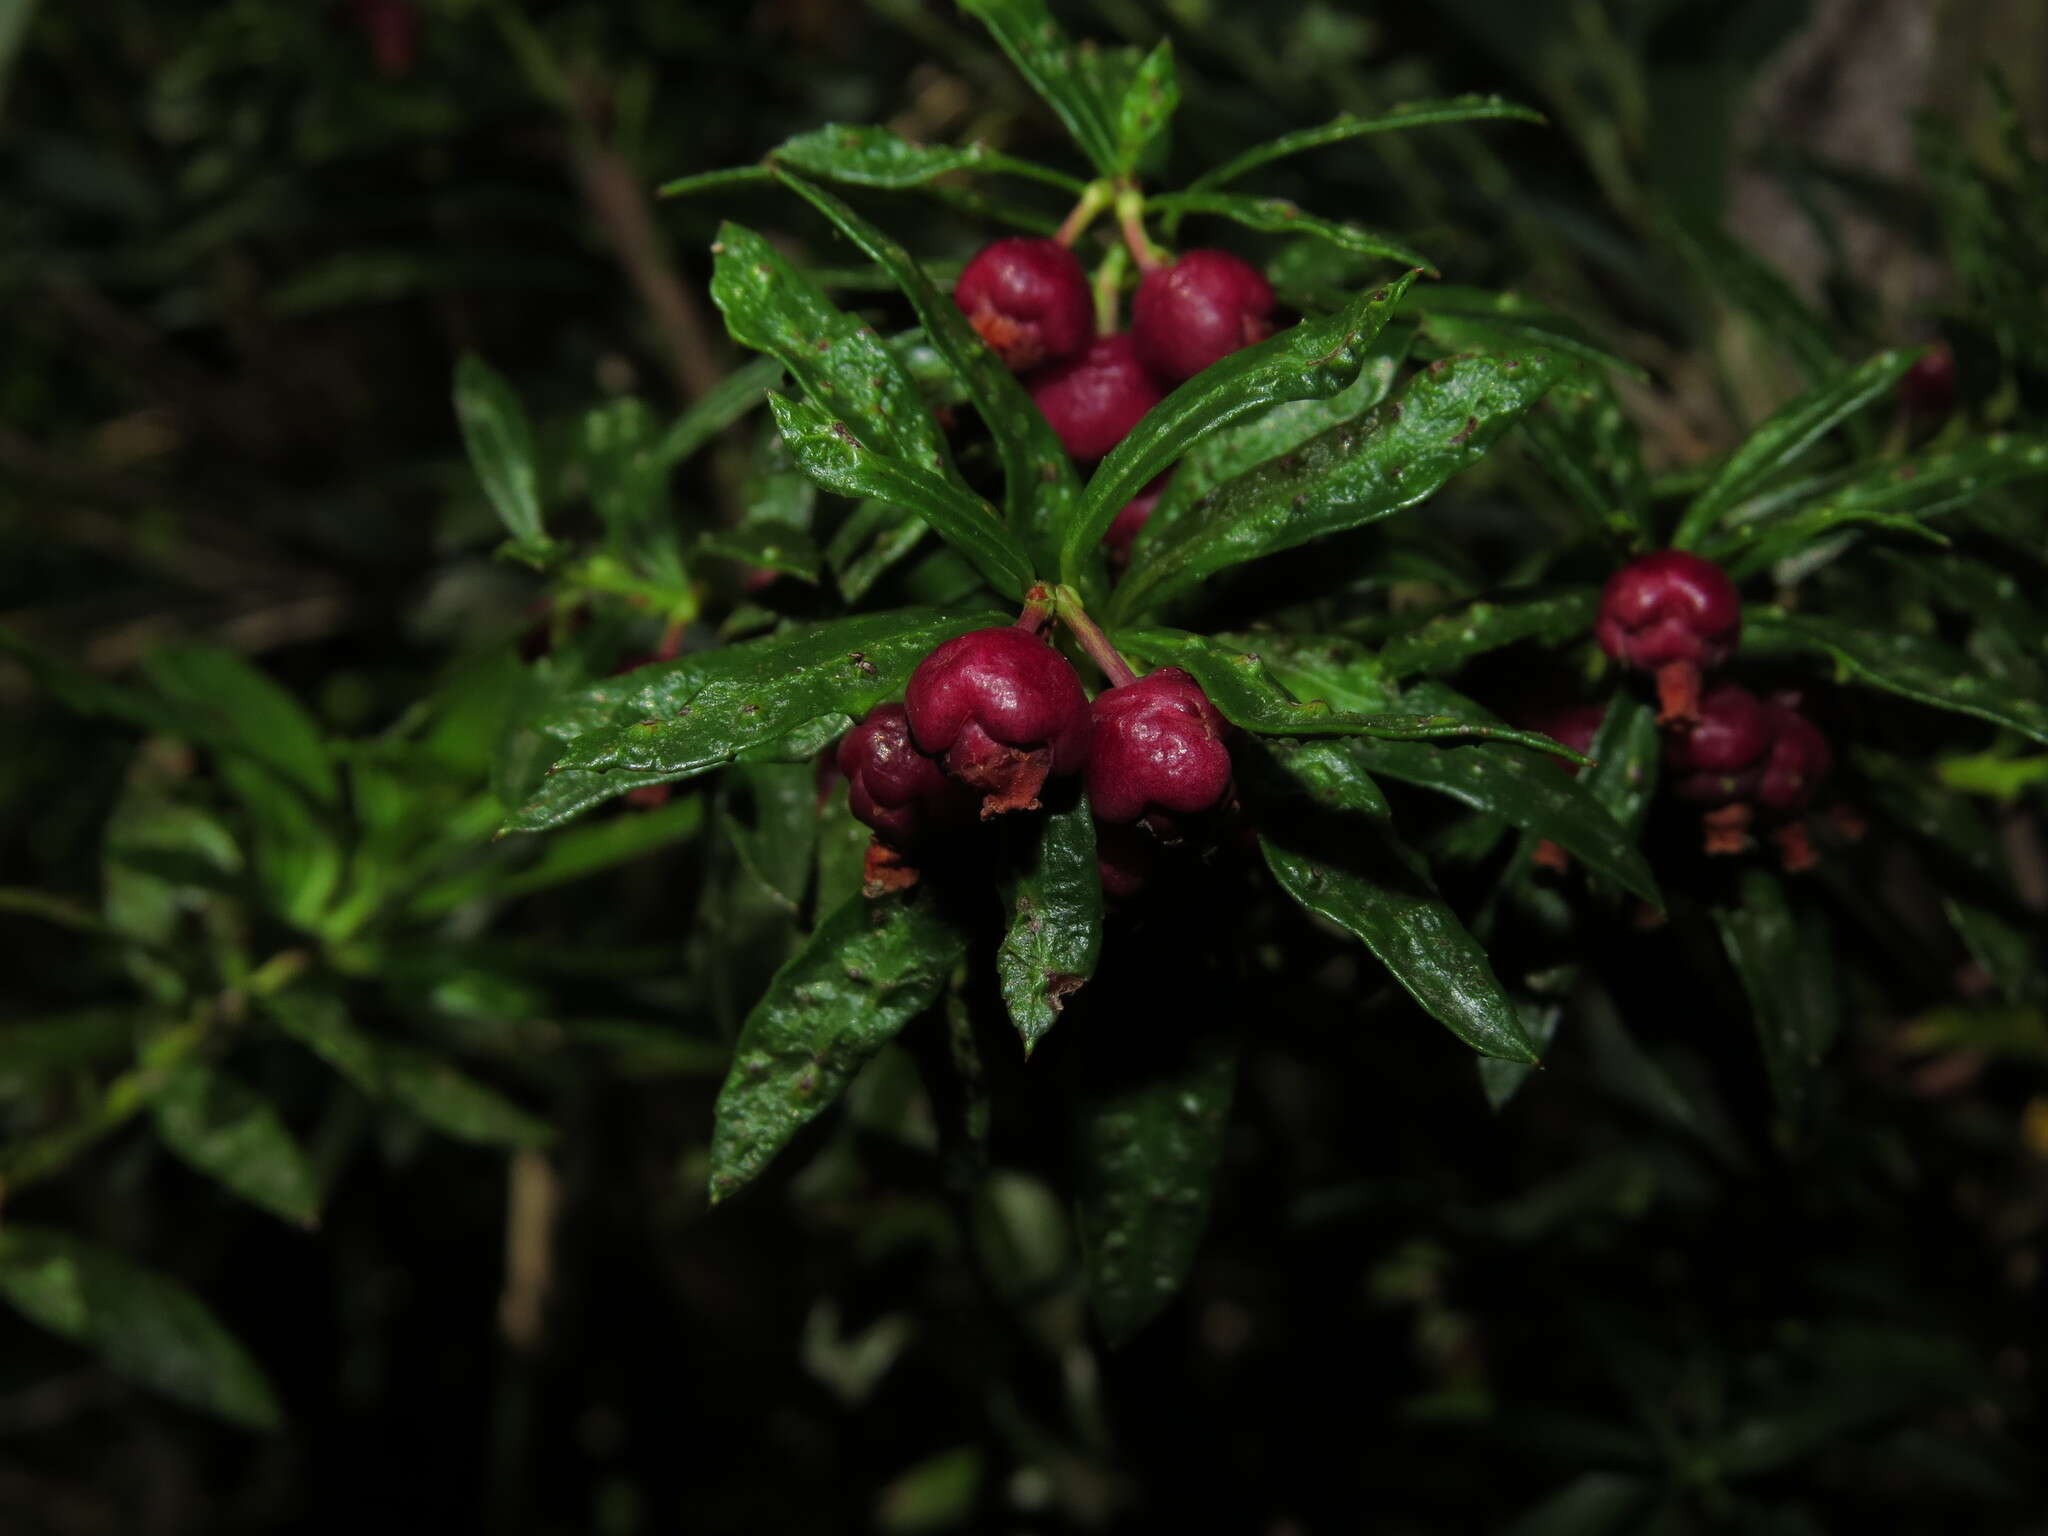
[(241, 257)]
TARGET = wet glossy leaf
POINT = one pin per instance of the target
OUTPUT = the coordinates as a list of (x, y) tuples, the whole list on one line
[(500, 443), (1444, 421), (1038, 477), (1463, 319), (1786, 437), (701, 711), (1278, 216), (1419, 114), (1335, 851), (870, 967), (1055, 921), (1906, 664), (1591, 448), (1149, 1148), (1147, 107), (1626, 752), (1249, 696), (1310, 361), (837, 459), (845, 368), (144, 1325), (1449, 640), (1085, 86), (229, 1132), (867, 155)]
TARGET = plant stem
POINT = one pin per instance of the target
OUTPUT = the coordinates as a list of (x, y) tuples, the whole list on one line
[(1109, 281), (1130, 216), (1093, 640), (1097, 196), (1038, 608)]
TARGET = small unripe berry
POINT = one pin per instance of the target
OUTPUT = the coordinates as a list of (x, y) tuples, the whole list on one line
[(1672, 614), (1003, 710), (1927, 392), (893, 787), (1128, 523), (1799, 759), (1157, 750), (1721, 759), (1029, 300), (1124, 857), (1203, 307), (1095, 399)]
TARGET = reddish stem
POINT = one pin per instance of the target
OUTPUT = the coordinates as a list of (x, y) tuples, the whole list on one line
[(1094, 641)]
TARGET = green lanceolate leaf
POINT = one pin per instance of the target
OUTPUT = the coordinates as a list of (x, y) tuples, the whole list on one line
[(873, 156), (1524, 790), (500, 443), (1894, 496), (1266, 435), (1147, 107), (685, 717), (1785, 438), (1626, 752), (239, 709), (1310, 361), (1278, 216), (868, 970), (1587, 444), (228, 1131), (1383, 899), (1149, 1148), (833, 455), (1038, 477), (727, 402), (1250, 697), (1055, 932), (1786, 965), (1909, 665), (1419, 114), (845, 368), (1342, 670), (144, 1325), (1449, 640), (1445, 420), (1330, 842), (395, 1072), (1085, 86), (1462, 319)]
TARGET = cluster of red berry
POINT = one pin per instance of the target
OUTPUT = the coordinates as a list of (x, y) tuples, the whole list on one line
[(1029, 300), (991, 715), (1738, 757)]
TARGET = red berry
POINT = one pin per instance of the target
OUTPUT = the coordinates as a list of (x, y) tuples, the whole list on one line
[(1799, 759), (1095, 399), (1575, 726), (1157, 750), (1004, 710), (393, 27), (892, 786), (1721, 759), (1672, 614), (1124, 857), (1203, 307), (1927, 392), (1128, 523), (1029, 300)]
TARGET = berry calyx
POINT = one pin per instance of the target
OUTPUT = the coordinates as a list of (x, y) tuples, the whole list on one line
[(1093, 401), (892, 787), (1029, 300), (1674, 615), (1003, 710), (1125, 527), (1204, 307), (1157, 752)]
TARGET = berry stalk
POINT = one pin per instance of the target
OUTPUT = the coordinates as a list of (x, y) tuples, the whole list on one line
[(1093, 640)]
